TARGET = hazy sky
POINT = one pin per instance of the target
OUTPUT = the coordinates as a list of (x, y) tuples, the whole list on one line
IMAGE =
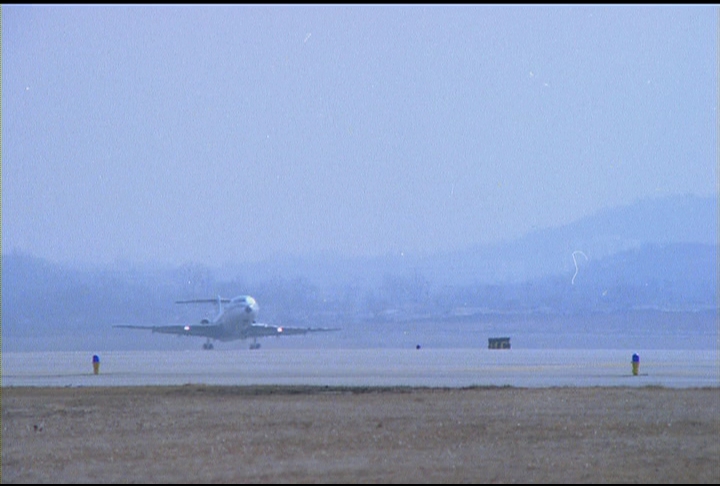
[(232, 133)]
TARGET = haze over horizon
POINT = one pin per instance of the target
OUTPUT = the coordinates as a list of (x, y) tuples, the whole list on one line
[(216, 134)]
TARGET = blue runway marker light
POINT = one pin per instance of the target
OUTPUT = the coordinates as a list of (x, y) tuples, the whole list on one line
[(635, 364)]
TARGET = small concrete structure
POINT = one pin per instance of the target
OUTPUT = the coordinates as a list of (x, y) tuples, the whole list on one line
[(499, 343)]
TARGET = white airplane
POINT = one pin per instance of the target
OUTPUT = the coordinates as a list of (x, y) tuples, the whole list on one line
[(234, 321)]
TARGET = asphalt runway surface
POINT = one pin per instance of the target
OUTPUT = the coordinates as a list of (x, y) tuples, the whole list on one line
[(453, 368)]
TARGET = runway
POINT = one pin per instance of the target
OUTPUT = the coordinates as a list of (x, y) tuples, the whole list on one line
[(367, 367)]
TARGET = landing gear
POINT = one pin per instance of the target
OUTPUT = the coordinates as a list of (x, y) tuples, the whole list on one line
[(255, 345), (208, 345)]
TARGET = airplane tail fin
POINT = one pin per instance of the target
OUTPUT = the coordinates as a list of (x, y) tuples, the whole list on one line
[(220, 307), (219, 301)]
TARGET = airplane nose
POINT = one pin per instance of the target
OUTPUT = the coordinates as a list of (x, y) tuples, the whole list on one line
[(248, 309)]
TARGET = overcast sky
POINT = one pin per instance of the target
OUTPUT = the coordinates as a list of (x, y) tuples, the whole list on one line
[(234, 133)]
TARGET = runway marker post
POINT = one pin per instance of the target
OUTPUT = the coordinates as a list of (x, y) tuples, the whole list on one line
[(635, 364), (96, 364)]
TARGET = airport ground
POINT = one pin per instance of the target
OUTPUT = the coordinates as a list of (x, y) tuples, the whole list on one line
[(197, 433)]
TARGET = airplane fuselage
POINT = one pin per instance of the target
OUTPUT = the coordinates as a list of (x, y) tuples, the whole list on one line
[(239, 314)]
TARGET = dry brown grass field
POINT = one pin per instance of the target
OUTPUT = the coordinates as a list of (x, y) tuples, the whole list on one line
[(195, 433)]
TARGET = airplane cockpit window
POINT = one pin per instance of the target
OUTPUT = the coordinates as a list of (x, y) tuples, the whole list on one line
[(243, 299)]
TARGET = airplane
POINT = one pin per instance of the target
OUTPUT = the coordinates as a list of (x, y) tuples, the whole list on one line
[(234, 321)]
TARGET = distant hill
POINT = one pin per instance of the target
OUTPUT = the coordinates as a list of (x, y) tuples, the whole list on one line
[(676, 219), (667, 276)]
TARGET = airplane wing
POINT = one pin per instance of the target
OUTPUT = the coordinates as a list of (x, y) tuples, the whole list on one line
[(261, 330), (208, 331), (221, 334)]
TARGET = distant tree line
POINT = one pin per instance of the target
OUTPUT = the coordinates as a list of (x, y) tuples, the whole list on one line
[(41, 297)]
